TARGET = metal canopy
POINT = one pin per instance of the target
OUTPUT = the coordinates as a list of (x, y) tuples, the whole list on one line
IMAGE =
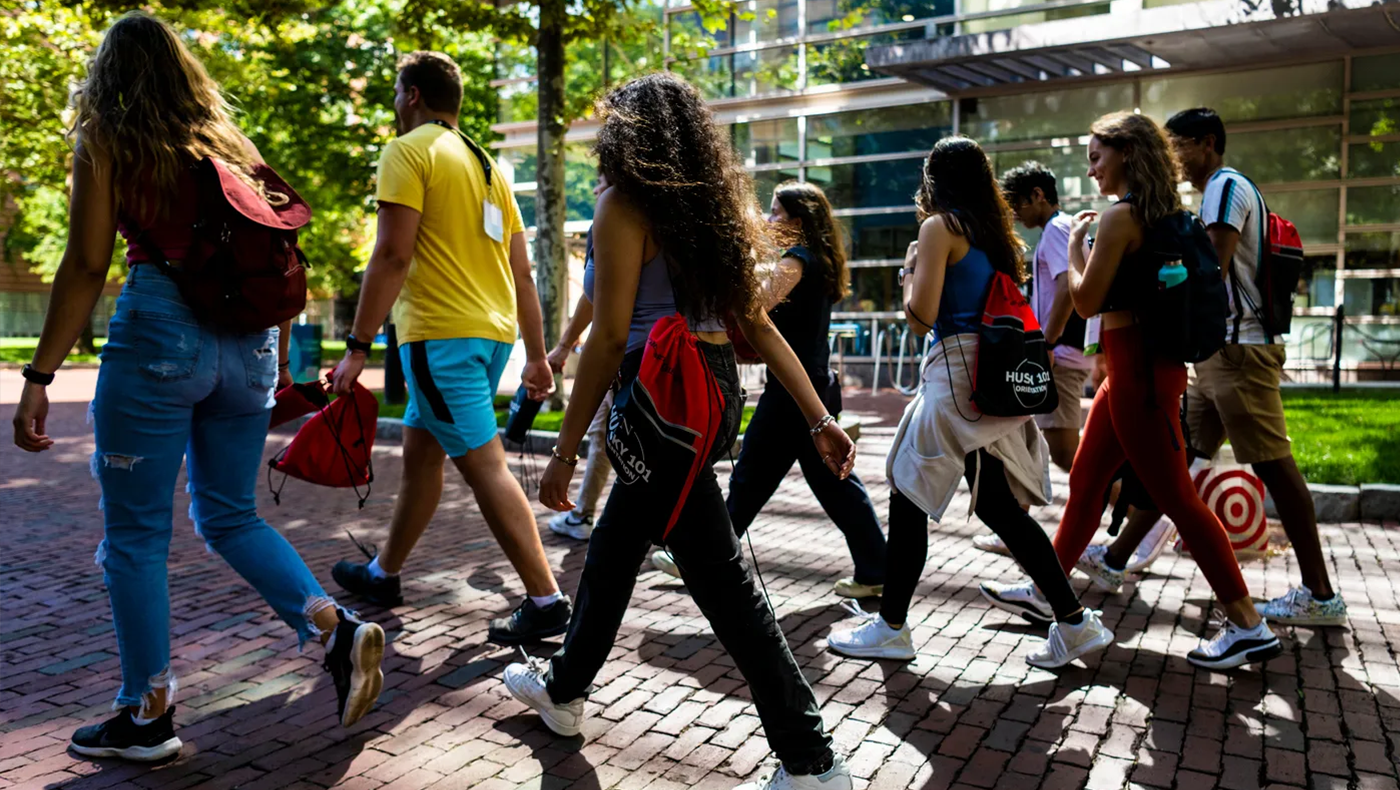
[(1215, 34)]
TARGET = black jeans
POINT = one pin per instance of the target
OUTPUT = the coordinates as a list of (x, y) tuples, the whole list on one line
[(777, 436), (998, 509), (708, 554)]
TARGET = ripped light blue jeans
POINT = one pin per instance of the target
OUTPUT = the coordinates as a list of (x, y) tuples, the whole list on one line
[(170, 390)]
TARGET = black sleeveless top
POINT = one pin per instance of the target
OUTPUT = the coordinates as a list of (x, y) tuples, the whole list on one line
[(804, 318), (1136, 277)]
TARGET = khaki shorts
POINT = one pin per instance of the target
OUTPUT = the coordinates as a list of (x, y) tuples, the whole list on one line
[(1235, 395), (1069, 415), (599, 426)]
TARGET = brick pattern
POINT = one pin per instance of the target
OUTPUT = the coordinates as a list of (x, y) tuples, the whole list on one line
[(669, 709)]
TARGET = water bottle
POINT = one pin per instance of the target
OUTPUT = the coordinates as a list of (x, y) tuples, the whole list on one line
[(1171, 274)]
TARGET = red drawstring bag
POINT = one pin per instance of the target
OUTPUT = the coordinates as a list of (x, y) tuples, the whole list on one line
[(296, 400), (333, 447), (1012, 376), (663, 427)]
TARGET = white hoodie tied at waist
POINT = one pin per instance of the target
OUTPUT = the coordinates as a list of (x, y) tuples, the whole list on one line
[(928, 456)]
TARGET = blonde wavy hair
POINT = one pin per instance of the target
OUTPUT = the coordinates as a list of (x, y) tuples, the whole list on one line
[(148, 103), (1148, 165)]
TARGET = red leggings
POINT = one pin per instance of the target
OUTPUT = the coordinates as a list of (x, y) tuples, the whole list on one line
[(1129, 422)]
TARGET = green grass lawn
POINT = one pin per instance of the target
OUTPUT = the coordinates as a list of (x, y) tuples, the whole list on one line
[(544, 421), (1345, 439), (19, 350)]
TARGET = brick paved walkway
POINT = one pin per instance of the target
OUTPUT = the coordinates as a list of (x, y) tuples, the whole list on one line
[(669, 711)]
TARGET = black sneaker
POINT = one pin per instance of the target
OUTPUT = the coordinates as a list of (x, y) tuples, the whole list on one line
[(530, 623), (354, 577), (353, 661), (121, 737)]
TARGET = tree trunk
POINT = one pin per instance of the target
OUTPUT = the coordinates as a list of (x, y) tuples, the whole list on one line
[(551, 248)]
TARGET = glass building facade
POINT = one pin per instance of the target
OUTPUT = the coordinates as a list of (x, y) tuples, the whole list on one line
[(788, 77)]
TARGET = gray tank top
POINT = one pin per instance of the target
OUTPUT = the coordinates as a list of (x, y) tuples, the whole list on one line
[(655, 301)]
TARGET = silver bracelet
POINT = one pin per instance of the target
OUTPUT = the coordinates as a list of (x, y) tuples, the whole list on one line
[(822, 423)]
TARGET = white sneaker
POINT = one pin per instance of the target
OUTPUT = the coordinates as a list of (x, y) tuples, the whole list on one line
[(850, 588), (1152, 546), (1067, 642), (1234, 646), (526, 682), (661, 560), (838, 778), (1094, 564), (872, 637), (1021, 599), (991, 543), (572, 525), (1299, 607)]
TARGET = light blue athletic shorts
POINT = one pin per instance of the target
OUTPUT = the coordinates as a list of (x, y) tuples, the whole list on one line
[(452, 389)]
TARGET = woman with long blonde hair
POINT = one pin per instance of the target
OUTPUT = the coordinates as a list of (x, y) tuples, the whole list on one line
[(170, 389), (1134, 416)]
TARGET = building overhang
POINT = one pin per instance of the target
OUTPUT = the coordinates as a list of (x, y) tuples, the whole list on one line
[(1216, 34)]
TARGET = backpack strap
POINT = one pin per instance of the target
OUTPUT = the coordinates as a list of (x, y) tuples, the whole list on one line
[(472, 146)]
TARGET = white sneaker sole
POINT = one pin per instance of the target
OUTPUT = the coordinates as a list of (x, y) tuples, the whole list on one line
[(1031, 616), (1319, 622), (1099, 642), (139, 754), (1157, 551), (1254, 656), (568, 531), (366, 677), (551, 721), (893, 653)]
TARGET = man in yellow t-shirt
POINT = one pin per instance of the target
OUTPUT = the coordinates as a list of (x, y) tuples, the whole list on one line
[(451, 251)]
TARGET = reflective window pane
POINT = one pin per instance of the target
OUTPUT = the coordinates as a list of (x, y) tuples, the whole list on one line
[(1314, 212), (580, 175), (1375, 73), (1066, 113), (873, 290), (1291, 92), (881, 236), (766, 142), (690, 36), (527, 209), (742, 74), (1373, 205), (1308, 154), (517, 102), (764, 20), (1317, 286), (1375, 117), (843, 60), (1068, 163), (829, 16), (1372, 297), (1016, 20), (1373, 250), (1374, 160), (914, 127), (869, 184), (765, 181)]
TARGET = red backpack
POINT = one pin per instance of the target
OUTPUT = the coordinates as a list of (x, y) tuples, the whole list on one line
[(244, 271), (663, 427)]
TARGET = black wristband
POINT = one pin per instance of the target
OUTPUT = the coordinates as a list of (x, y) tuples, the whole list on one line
[(42, 379), (355, 344)]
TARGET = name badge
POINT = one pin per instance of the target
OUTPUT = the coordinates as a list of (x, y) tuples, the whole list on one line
[(493, 220)]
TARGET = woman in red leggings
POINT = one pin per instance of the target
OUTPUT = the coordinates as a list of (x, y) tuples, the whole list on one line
[(1134, 416)]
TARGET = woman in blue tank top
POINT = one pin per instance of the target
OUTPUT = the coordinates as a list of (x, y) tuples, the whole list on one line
[(676, 232), (965, 239)]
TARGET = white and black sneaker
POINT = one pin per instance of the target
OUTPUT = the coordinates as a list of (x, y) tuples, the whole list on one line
[(838, 777), (353, 655), (572, 525), (1021, 599), (1158, 539), (122, 737), (527, 683), (1234, 646)]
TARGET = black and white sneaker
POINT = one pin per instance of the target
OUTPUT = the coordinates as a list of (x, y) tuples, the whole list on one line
[(121, 737), (355, 577), (1234, 646), (352, 658), (1021, 599), (530, 623)]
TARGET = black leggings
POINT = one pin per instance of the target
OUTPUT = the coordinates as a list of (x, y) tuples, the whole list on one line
[(998, 509)]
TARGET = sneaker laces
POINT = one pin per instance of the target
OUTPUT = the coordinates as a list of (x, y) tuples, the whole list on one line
[(370, 553), (535, 664), (858, 613)]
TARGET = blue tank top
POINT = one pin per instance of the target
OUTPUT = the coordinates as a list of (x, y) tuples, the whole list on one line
[(655, 301), (964, 300)]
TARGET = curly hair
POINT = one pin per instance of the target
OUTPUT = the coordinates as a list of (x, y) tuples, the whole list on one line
[(959, 184), (1148, 165), (660, 147), (1021, 181), (821, 234), (150, 105)]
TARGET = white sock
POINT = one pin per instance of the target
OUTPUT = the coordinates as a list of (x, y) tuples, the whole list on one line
[(378, 572), (546, 601)]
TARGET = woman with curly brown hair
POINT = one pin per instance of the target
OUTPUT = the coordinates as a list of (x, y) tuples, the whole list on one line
[(171, 390), (676, 232), (1134, 416), (966, 238)]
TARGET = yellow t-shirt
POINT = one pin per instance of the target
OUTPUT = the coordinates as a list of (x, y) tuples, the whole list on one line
[(459, 284)]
